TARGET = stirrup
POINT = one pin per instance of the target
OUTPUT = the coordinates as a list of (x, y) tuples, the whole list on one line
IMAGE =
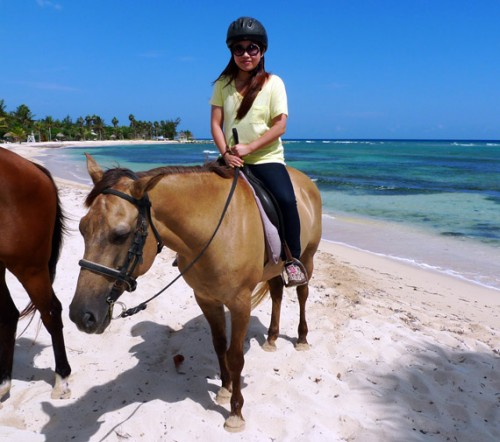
[(296, 273)]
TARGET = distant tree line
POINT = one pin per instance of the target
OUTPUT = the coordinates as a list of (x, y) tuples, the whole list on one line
[(21, 124)]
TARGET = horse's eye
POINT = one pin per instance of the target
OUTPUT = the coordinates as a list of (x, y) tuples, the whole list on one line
[(120, 234)]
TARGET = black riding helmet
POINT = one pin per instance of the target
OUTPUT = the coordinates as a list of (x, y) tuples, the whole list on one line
[(246, 28)]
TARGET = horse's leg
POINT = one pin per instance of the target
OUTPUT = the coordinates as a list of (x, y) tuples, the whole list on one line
[(276, 291), (302, 295), (43, 297), (214, 312), (9, 316), (240, 318)]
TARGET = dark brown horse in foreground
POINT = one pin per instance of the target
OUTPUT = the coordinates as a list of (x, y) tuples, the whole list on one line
[(186, 206), (31, 229)]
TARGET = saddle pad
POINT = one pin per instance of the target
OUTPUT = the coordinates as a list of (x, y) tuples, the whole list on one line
[(273, 241)]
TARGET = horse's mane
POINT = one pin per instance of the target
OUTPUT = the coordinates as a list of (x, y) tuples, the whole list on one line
[(111, 176)]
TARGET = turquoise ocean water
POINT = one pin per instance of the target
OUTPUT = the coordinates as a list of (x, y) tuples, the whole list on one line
[(434, 204)]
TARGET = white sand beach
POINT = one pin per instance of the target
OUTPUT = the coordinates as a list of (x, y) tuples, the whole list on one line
[(398, 353)]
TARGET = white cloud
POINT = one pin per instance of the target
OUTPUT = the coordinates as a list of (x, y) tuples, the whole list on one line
[(47, 86), (54, 87), (151, 54), (365, 114), (335, 85), (48, 4)]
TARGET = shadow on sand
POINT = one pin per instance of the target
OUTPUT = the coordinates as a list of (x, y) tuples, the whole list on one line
[(154, 377)]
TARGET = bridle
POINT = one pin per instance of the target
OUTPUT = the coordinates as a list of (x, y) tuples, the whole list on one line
[(123, 275)]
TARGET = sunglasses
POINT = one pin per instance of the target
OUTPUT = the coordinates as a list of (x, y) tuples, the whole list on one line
[(252, 49)]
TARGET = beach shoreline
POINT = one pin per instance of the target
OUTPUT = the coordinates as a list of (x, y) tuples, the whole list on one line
[(462, 257), (397, 352), (336, 227)]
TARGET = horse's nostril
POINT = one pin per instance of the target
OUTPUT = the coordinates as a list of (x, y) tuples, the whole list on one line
[(88, 320)]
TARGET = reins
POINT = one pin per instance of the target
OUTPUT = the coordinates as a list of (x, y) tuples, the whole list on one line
[(125, 274)]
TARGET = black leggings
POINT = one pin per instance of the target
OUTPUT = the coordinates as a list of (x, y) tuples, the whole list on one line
[(277, 180)]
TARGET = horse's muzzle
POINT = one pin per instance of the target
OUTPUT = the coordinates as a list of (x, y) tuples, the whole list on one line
[(87, 320)]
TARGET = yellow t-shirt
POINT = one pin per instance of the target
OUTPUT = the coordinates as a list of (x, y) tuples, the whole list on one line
[(270, 102)]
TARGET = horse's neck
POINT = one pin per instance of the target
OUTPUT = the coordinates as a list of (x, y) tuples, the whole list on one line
[(187, 208)]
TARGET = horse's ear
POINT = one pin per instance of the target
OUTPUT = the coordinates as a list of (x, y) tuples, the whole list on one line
[(142, 185), (93, 169)]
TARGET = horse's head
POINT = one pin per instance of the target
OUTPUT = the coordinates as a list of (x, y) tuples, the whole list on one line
[(118, 247)]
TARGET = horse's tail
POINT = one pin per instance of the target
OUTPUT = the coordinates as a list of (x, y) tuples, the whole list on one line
[(59, 228), (259, 293), (57, 239)]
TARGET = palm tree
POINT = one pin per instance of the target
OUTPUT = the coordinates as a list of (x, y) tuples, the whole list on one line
[(23, 116), (99, 125), (89, 121), (3, 112), (187, 134), (3, 117), (133, 124), (3, 125), (83, 127), (170, 128), (68, 127), (49, 122), (18, 133), (114, 122), (38, 126), (81, 131)]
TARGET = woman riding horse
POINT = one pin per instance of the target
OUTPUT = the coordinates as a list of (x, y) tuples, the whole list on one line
[(183, 205)]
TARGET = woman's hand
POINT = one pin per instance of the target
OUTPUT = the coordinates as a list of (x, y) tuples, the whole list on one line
[(241, 150), (232, 159), (277, 129)]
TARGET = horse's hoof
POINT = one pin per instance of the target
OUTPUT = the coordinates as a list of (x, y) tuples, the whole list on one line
[(234, 424), (269, 346), (60, 394), (223, 396), (302, 346), (61, 388), (4, 388)]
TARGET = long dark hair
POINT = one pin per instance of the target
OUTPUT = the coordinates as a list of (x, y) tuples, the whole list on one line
[(254, 85)]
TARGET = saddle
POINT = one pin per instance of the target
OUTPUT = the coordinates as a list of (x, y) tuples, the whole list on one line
[(266, 198), (271, 214)]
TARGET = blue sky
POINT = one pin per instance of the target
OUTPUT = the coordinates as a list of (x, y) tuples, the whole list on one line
[(353, 69)]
